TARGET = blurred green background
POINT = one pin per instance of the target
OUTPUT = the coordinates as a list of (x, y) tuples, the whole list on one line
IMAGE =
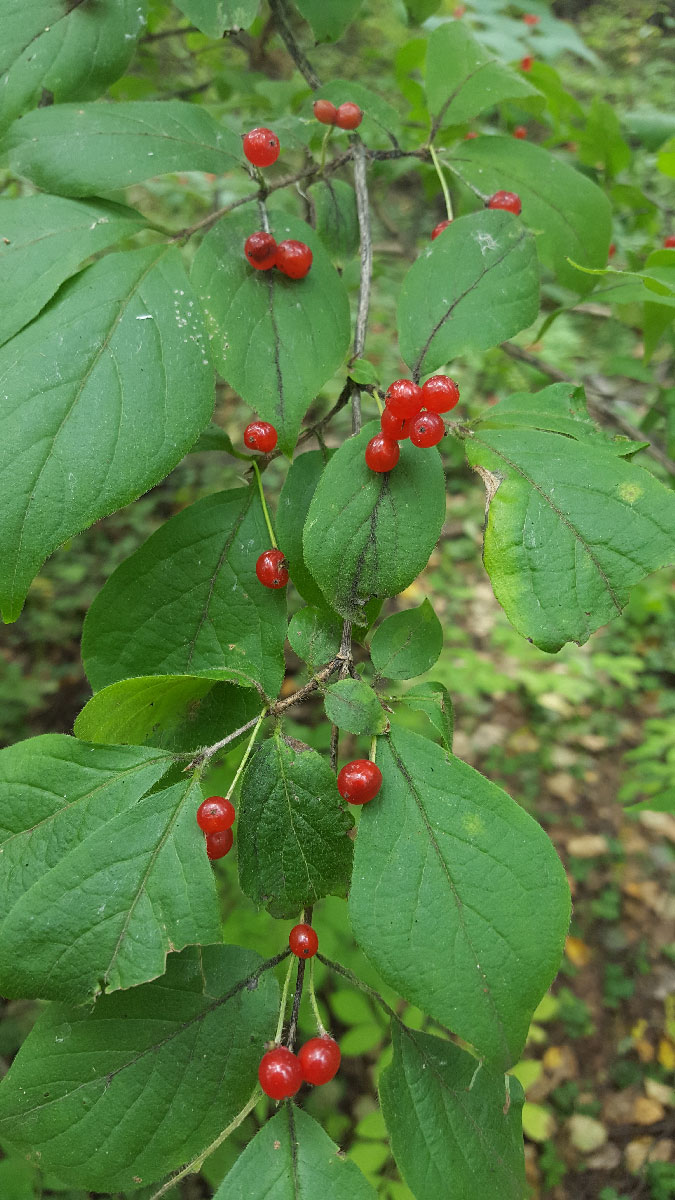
[(573, 737)]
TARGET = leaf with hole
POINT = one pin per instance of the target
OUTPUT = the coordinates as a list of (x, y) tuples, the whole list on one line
[(473, 288), (472, 930), (67, 149), (106, 391), (571, 525), (370, 534), (292, 841), (188, 602), (188, 1044), (275, 340), (451, 1118)]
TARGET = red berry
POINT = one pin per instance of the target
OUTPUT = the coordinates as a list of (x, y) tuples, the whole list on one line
[(520, 131), (669, 242), (427, 430), (359, 781), (440, 227), (294, 258), (612, 249), (395, 427), (271, 569), (260, 435), (382, 453), (303, 941), (526, 63), (261, 147), (349, 116), (404, 398), (468, 137), (319, 1060), (530, 19), (459, 11), (440, 394), (219, 844), (279, 1073), (261, 250), (325, 112), (506, 200), (215, 814)]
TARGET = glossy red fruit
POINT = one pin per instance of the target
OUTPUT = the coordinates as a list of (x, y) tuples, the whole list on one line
[(261, 147), (261, 250), (427, 430), (520, 131), (271, 569), (219, 844), (509, 201), (468, 137), (382, 453), (303, 941), (530, 19), (395, 427), (279, 1073), (612, 249), (325, 112), (526, 63), (294, 258), (440, 393), (349, 116), (260, 435), (669, 242), (440, 227), (404, 398), (319, 1060), (359, 781), (215, 814)]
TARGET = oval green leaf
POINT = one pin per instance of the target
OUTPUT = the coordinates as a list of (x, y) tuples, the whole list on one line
[(407, 643), (214, 17), (354, 707), (315, 636), (300, 485), (335, 218), (463, 79)]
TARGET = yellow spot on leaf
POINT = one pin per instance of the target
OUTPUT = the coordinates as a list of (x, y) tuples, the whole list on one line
[(630, 492)]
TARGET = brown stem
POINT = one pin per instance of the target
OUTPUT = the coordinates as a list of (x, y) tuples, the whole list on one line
[(295, 1011), (301, 61), (366, 251)]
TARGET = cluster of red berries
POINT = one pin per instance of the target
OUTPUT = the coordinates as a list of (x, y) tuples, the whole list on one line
[(281, 1072), (509, 201), (345, 116), (215, 818), (291, 257), (411, 412)]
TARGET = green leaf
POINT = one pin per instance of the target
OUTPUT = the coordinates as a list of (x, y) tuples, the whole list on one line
[(666, 159), (354, 707), (63, 51), (451, 1118), (176, 712), (362, 371), (215, 438), (407, 643), (149, 1078), (328, 18), (291, 1158), (213, 17), (419, 10), (43, 240), (299, 328), (296, 495), (315, 636), (188, 602), (570, 215), (100, 398), (100, 883), (370, 534), (334, 217), (457, 897), (379, 116), (601, 142), (292, 842), (571, 525), (433, 699), (67, 149), (471, 289), (463, 79)]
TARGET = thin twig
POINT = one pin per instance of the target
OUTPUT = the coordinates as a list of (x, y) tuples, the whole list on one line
[(595, 400), (295, 1011), (301, 61), (366, 250), (364, 987), (196, 1163), (167, 33)]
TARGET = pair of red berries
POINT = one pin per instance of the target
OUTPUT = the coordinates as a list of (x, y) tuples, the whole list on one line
[(215, 818), (403, 417), (261, 147), (346, 116), (291, 257), (509, 201), (281, 1072)]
